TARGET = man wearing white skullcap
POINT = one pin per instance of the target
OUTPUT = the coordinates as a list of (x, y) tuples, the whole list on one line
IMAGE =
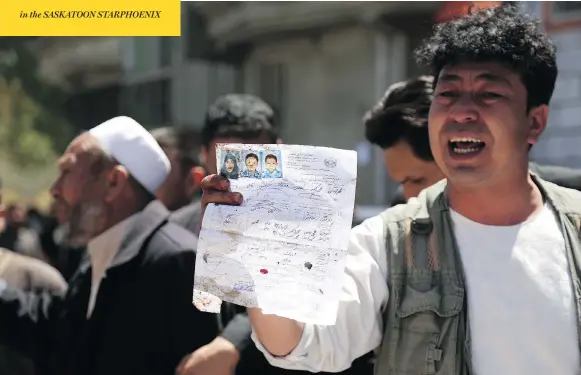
[(128, 309), (134, 148)]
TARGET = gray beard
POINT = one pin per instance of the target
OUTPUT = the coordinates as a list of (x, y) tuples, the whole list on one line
[(83, 224)]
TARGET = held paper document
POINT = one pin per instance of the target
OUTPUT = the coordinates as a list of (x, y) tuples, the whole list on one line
[(284, 248)]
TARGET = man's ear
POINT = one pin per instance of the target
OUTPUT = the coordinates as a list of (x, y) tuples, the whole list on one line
[(117, 178), (194, 181), (538, 118), (204, 154), (197, 174)]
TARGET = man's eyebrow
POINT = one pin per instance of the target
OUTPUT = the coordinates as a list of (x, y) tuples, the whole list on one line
[(493, 78), (449, 77), (487, 76)]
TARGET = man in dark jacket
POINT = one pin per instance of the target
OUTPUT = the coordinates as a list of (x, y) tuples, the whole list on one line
[(233, 118), (128, 308), (182, 186), (240, 118), (178, 190), (399, 125)]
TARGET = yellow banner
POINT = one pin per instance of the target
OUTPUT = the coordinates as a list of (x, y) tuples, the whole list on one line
[(90, 18)]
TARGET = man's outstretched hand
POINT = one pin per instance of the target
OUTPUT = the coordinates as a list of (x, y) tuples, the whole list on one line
[(216, 189), (279, 335)]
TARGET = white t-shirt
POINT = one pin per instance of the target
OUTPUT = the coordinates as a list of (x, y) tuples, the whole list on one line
[(520, 301), (520, 298)]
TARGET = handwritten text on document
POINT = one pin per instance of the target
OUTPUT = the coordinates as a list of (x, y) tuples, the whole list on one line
[(284, 248)]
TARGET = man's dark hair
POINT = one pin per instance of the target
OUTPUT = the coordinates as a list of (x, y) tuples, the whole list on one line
[(499, 34), (251, 155), (184, 141), (271, 156), (402, 115), (239, 116)]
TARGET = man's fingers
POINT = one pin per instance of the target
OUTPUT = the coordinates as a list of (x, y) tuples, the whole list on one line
[(215, 190), (218, 197), (215, 182), (180, 367)]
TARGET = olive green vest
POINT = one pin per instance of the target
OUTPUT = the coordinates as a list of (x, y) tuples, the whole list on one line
[(426, 320)]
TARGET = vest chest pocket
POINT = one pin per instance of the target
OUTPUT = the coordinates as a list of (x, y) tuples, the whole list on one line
[(427, 325)]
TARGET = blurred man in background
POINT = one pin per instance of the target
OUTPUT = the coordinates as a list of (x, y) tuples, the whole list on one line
[(17, 236), (182, 186), (232, 118), (239, 118), (26, 274), (36, 219), (399, 125), (23, 271), (181, 190)]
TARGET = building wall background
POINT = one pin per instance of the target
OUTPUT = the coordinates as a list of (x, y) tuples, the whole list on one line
[(320, 65), (561, 143), (321, 86)]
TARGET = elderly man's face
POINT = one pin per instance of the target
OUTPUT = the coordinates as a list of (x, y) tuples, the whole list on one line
[(79, 192)]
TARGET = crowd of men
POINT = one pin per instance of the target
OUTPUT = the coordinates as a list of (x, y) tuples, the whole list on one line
[(476, 272), (113, 291)]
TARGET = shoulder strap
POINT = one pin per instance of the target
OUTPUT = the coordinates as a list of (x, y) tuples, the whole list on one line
[(411, 242), (414, 236)]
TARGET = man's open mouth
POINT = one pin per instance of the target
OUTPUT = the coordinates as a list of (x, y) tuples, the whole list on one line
[(466, 145)]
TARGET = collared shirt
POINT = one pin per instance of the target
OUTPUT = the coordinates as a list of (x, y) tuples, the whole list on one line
[(274, 174), (102, 250), (246, 173)]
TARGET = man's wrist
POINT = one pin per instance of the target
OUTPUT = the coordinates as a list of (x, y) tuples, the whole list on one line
[(228, 346), (225, 343)]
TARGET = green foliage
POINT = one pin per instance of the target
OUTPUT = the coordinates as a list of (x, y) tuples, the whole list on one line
[(21, 143), (33, 126)]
